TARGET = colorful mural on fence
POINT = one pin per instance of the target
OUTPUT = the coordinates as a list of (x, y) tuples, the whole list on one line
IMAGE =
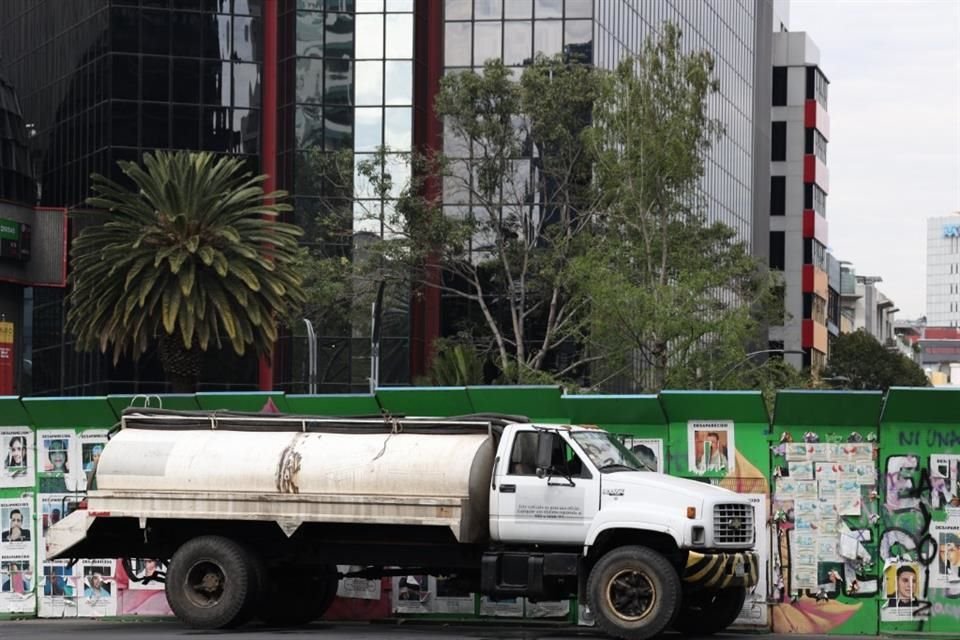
[(859, 513), (919, 511), (823, 462)]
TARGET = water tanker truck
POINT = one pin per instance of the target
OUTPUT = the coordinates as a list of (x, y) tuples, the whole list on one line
[(253, 513)]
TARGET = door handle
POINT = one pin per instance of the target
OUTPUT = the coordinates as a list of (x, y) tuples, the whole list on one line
[(508, 488)]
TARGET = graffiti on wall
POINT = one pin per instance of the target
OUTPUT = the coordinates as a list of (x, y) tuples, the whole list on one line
[(920, 522)]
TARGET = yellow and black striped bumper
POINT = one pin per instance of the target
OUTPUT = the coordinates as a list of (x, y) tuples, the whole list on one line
[(721, 570)]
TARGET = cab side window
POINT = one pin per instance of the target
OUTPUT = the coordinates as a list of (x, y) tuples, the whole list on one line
[(523, 457)]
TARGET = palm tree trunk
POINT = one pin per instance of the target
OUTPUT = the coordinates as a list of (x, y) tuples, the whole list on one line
[(180, 365)]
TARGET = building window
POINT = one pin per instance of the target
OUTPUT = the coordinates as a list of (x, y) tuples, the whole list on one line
[(814, 253), (815, 143), (778, 195), (779, 137), (817, 86), (814, 198), (779, 86), (777, 250)]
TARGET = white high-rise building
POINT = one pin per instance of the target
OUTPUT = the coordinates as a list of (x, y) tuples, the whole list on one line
[(943, 271)]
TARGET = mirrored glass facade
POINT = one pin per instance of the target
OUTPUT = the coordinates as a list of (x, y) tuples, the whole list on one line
[(16, 174), (107, 80), (346, 86), (604, 32)]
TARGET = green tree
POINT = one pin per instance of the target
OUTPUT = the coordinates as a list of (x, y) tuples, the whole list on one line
[(864, 363), (517, 181), (190, 255), (669, 293)]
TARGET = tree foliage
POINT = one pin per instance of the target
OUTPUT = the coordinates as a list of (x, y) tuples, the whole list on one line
[(670, 293), (572, 232), (859, 361), (190, 256)]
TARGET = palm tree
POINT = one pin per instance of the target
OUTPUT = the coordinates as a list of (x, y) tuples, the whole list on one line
[(192, 255)]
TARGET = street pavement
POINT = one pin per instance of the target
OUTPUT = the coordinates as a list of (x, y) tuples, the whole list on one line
[(166, 629)]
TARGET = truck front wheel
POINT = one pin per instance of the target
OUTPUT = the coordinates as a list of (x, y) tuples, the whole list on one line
[(634, 593), (707, 612), (210, 583)]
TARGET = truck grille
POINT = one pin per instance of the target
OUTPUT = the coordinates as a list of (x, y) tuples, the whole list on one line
[(733, 524)]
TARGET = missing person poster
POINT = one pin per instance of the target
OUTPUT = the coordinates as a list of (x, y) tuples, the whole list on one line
[(359, 588), (451, 595), (58, 461), (92, 442), (411, 594), (648, 450), (98, 590), (16, 525), (16, 453), (710, 447), (903, 592), (17, 582), (58, 589), (945, 570)]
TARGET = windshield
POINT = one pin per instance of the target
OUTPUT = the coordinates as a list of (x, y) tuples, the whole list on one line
[(605, 451)]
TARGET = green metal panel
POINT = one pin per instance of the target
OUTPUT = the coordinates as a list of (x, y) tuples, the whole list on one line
[(425, 401), (827, 408), (74, 412), (334, 405), (749, 453), (627, 409), (833, 423), (542, 403), (922, 405), (176, 402), (12, 413), (249, 401), (920, 456), (739, 406)]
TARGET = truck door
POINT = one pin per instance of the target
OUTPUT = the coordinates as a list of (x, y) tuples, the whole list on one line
[(556, 508)]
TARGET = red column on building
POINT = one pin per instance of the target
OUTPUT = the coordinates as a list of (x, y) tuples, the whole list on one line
[(428, 138), (268, 149), (7, 352)]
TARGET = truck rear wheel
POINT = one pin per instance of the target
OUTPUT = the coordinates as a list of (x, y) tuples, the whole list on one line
[(707, 612), (294, 596), (211, 582), (634, 593)]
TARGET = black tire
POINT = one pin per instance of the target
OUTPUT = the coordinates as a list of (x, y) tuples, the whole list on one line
[(294, 597), (210, 582), (634, 593), (705, 613)]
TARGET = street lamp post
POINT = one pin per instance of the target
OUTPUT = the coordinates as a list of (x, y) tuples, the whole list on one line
[(747, 359)]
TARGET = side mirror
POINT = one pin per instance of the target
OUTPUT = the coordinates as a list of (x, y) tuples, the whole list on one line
[(544, 452)]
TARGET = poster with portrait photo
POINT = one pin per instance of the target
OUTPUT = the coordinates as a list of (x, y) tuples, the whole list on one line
[(16, 455), (52, 507), (57, 461), (92, 442), (145, 570), (451, 595), (16, 525), (648, 450), (358, 588), (903, 591), (17, 583), (711, 449), (58, 588), (945, 569), (411, 594), (98, 590), (945, 484)]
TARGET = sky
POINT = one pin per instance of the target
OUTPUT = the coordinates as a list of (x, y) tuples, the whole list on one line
[(894, 149)]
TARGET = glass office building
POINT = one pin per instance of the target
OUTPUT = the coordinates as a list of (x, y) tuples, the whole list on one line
[(284, 82)]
